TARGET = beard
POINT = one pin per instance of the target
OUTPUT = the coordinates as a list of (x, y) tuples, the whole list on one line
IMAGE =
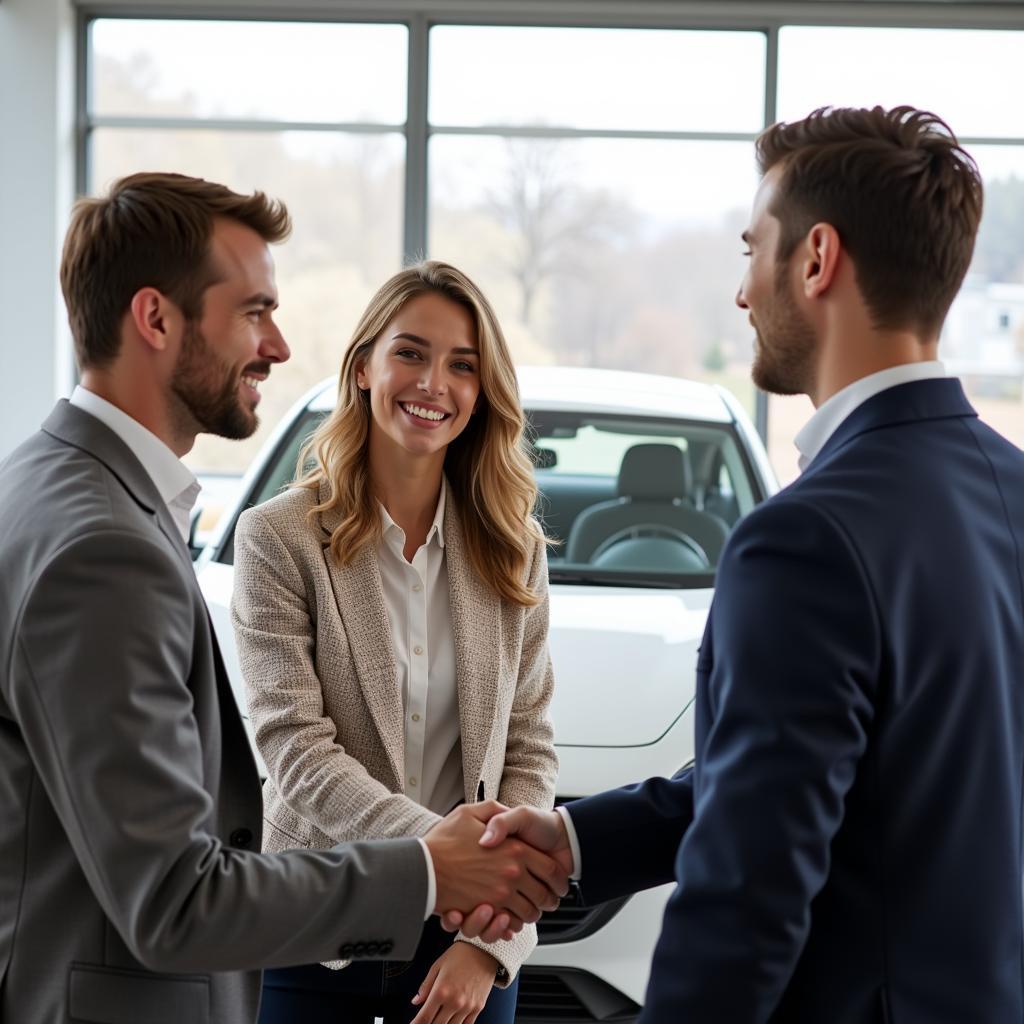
[(784, 354), (208, 389)]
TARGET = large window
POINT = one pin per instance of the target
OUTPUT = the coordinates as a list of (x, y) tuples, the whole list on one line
[(593, 179), (223, 100), (602, 218), (973, 80)]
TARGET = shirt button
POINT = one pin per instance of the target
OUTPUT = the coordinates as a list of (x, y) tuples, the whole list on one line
[(412, 781), (417, 649), (417, 587), (241, 837), (415, 717)]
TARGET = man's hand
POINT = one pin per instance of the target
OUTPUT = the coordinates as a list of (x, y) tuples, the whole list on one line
[(508, 883), (543, 830)]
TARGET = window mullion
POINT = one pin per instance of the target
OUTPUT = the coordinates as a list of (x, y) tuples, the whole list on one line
[(416, 129)]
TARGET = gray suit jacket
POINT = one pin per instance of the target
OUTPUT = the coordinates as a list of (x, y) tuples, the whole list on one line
[(131, 886)]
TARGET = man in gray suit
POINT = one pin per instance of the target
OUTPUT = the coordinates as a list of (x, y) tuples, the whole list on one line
[(131, 889)]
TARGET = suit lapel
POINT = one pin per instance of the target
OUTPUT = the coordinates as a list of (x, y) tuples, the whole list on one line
[(360, 599), (234, 740), (476, 629), (77, 428)]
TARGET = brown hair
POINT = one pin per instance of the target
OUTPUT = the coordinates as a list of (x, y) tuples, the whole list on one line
[(489, 473), (903, 195), (151, 230)]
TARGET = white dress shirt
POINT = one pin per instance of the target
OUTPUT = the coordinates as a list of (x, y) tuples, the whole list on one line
[(419, 614), (824, 423), (173, 480)]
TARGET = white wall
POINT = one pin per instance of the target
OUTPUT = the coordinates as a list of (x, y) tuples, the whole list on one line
[(36, 190)]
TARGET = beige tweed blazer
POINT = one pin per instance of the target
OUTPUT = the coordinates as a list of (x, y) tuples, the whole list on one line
[(314, 645)]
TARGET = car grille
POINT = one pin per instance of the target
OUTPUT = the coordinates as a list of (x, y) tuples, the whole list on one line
[(571, 921), (555, 995)]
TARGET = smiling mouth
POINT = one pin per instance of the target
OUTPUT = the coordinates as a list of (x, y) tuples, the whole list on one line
[(422, 413), (252, 385)]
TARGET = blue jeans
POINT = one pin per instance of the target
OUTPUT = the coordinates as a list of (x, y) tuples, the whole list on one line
[(317, 995)]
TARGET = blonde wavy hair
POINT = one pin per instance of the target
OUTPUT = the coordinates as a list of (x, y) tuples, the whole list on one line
[(489, 471)]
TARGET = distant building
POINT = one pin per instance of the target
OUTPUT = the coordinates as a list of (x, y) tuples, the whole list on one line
[(983, 338)]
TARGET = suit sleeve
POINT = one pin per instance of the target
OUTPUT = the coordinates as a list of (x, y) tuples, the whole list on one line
[(276, 639), (99, 686), (797, 649), (629, 837)]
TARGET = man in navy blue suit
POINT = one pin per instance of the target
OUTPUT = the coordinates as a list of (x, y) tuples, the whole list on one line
[(847, 846)]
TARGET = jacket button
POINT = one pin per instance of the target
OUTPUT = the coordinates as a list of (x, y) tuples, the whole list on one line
[(345, 953), (386, 946), (241, 838)]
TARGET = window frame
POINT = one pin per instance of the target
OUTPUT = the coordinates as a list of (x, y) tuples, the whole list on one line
[(419, 16)]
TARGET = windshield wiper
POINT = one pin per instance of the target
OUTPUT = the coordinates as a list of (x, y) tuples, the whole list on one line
[(587, 577)]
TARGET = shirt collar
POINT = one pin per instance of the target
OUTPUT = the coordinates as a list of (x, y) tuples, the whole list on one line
[(826, 420), (169, 474), (436, 527)]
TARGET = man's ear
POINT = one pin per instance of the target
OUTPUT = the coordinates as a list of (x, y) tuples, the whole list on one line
[(821, 249), (155, 317)]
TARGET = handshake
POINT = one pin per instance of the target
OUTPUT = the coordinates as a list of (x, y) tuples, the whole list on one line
[(498, 869)]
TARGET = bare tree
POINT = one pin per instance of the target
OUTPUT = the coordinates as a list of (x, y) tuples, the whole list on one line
[(553, 219)]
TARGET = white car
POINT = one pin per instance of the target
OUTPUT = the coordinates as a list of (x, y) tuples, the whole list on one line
[(641, 478)]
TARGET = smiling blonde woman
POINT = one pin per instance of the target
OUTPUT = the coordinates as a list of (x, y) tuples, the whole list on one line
[(391, 614)]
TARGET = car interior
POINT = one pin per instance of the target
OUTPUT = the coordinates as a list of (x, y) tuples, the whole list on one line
[(618, 494), (637, 495)]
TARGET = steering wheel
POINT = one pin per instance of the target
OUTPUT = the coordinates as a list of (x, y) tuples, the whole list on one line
[(658, 531)]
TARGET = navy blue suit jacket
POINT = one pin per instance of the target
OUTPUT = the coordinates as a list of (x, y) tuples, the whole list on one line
[(847, 846)]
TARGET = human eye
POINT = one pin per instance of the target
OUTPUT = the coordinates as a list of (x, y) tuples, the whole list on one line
[(407, 353), (464, 365)]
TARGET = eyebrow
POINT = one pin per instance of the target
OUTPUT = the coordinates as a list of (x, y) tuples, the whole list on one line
[(417, 340), (261, 299)]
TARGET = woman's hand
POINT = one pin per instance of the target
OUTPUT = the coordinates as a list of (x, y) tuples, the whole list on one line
[(456, 986)]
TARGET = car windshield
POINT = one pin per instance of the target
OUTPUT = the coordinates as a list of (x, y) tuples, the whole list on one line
[(640, 501), (625, 500)]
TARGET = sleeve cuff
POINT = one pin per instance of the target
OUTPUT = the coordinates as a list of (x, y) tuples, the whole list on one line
[(431, 879), (574, 843)]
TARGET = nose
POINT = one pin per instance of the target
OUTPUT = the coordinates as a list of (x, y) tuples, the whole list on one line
[(740, 301), (433, 380), (273, 347)]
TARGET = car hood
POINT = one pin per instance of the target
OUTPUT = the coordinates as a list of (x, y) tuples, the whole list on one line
[(624, 662)]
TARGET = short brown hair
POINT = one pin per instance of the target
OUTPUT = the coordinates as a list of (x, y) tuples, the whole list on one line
[(151, 230), (903, 194)]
